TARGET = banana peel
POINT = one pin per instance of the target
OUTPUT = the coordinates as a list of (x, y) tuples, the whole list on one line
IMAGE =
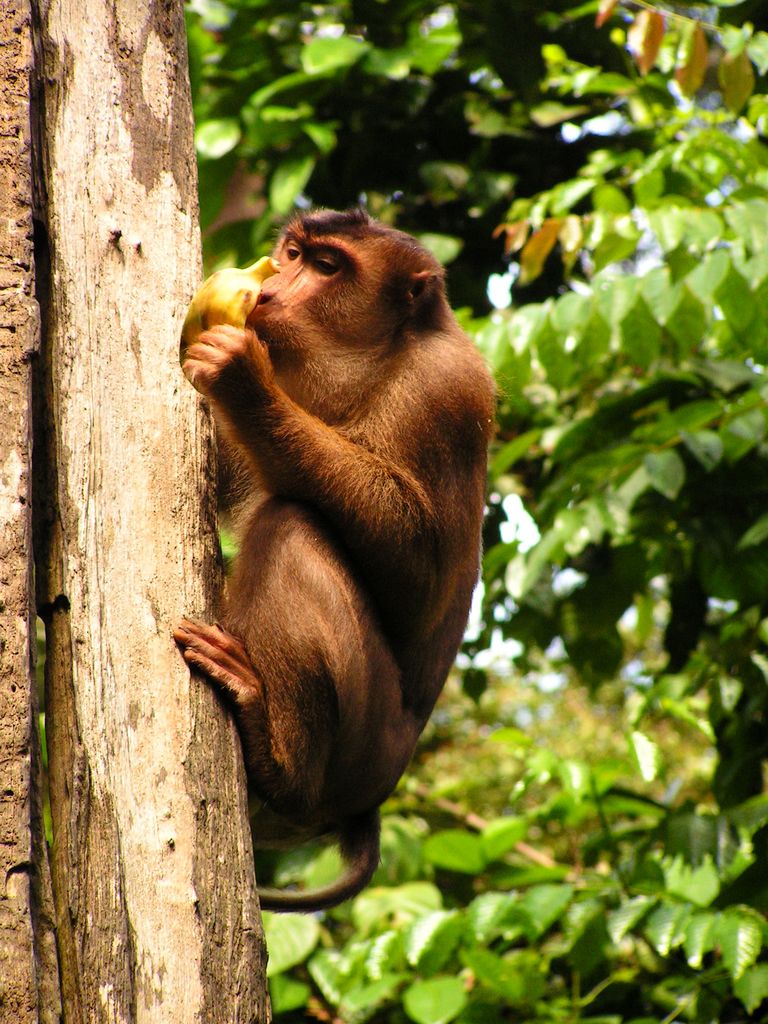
[(226, 297)]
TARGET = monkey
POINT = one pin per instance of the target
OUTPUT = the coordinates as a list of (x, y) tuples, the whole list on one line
[(360, 415)]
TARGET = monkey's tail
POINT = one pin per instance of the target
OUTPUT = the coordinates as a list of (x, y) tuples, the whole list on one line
[(359, 842)]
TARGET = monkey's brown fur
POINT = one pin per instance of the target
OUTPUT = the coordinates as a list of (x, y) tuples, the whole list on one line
[(362, 415)]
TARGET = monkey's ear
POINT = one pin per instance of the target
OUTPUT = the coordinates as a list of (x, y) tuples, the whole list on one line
[(419, 285)]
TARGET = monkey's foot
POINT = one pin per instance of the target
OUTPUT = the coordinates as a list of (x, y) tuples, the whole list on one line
[(220, 656)]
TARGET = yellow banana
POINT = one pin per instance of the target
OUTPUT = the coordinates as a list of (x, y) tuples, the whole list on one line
[(226, 297)]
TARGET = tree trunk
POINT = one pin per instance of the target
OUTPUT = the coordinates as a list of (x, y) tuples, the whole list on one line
[(28, 970), (153, 873)]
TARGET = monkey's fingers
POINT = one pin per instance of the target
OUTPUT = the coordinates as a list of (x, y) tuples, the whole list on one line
[(225, 353), (220, 656)]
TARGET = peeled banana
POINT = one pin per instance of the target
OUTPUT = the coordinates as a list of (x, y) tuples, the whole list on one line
[(226, 297)]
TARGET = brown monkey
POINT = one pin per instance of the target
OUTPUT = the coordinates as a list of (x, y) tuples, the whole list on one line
[(361, 413)]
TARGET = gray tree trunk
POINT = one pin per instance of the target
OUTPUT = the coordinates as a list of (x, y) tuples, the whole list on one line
[(155, 898), (28, 972)]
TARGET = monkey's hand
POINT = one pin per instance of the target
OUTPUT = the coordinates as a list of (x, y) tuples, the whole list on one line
[(221, 656), (225, 358)]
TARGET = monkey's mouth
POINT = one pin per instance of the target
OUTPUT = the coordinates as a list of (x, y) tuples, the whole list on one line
[(258, 310)]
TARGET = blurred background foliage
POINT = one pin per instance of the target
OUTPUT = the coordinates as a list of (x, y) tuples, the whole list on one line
[(584, 833)]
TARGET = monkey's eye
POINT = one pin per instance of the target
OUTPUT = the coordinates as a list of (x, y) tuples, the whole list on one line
[(327, 265), (292, 252)]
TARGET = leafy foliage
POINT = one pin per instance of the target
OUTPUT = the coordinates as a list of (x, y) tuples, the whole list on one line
[(585, 834)]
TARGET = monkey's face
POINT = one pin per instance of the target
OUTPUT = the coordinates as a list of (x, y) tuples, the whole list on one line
[(323, 300), (342, 293)]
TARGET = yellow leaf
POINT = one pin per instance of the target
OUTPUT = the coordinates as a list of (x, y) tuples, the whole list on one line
[(737, 80), (514, 235), (693, 66), (604, 11), (644, 39), (537, 248)]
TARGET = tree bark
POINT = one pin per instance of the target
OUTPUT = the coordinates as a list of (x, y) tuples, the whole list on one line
[(155, 898), (28, 969)]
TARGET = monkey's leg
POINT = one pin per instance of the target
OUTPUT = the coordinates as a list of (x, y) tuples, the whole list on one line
[(284, 753)]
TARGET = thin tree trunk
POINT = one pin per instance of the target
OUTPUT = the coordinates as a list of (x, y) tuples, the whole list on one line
[(153, 874), (28, 970)]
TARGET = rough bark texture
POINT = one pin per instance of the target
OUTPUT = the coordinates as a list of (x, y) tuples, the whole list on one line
[(28, 970), (153, 876)]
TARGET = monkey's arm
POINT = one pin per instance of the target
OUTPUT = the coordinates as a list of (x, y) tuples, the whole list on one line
[(379, 505)]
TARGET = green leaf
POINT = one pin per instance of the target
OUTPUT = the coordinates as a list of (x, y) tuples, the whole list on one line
[(750, 425), (402, 902), (551, 112), (501, 835), (543, 905), (506, 457), (567, 194), (431, 940), (618, 239), (557, 363), (290, 939), (385, 955), (487, 913), (296, 81), (751, 815), (668, 224), (756, 534), (706, 447), (740, 934), (436, 1001), (455, 850), (288, 179), (725, 374), (641, 335), (393, 63), (506, 345), (324, 54), (665, 928), (750, 222), (217, 137), (580, 917), (700, 937), (647, 755), (325, 969), (699, 885), (734, 296), (752, 987), (609, 82), (276, 114), (688, 322), (500, 975), (323, 136), (694, 415), (286, 993), (757, 48), (624, 918), (428, 50), (595, 340), (709, 274), (666, 472), (444, 248), (610, 198), (361, 1002)]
